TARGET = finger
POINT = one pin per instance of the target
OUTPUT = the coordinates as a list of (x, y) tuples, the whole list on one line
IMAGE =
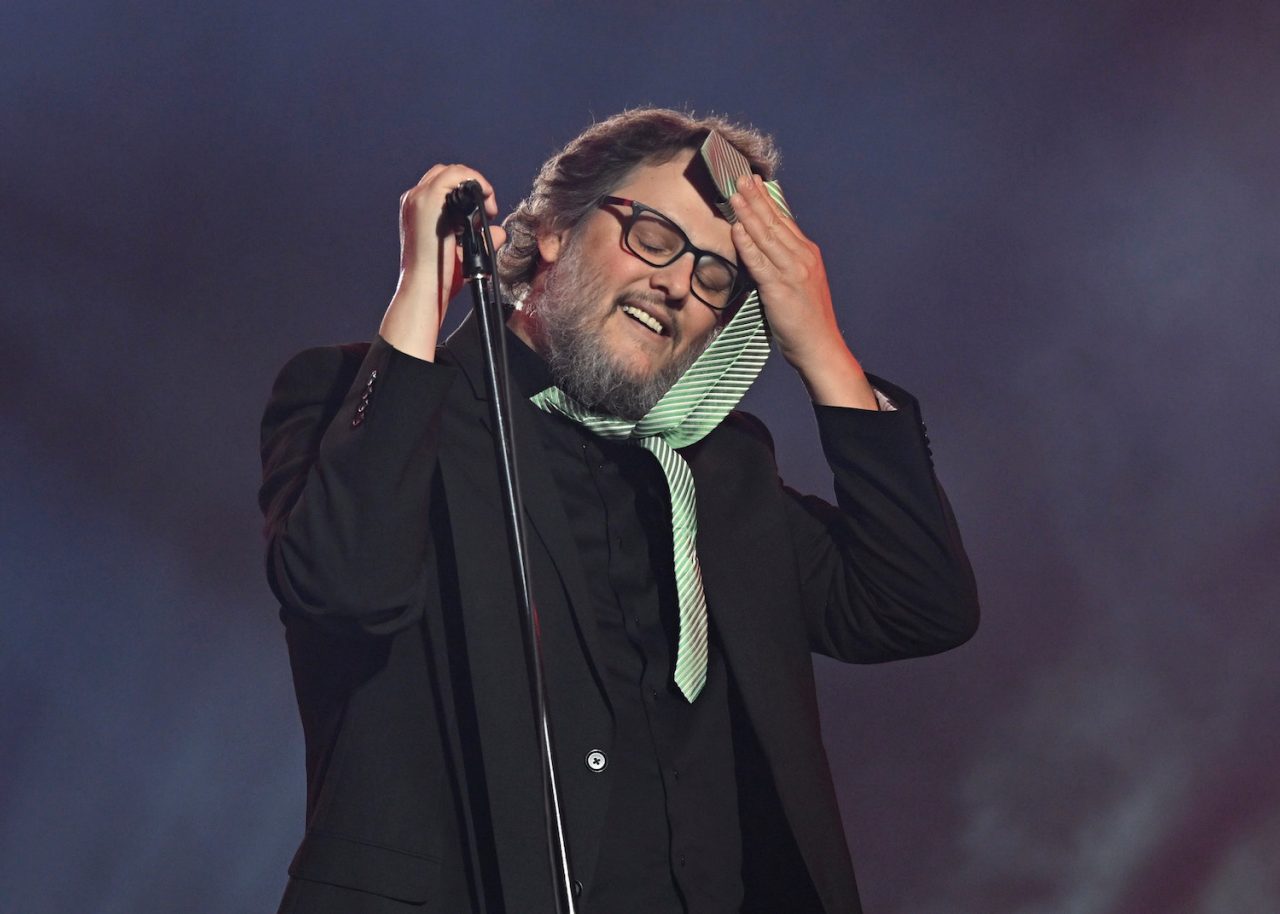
[(784, 218), (752, 256), (441, 179), (455, 175), (764, 224), (431, 173), (771, 211), (754, 206)]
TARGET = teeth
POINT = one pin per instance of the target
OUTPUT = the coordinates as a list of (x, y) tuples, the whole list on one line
[(647, 319)]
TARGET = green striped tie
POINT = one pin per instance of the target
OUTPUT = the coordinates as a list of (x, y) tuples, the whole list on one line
[(711, 387)]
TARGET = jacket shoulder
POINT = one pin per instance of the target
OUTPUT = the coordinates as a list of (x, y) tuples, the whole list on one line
[(744, 429), (306, 395), (315, 376)]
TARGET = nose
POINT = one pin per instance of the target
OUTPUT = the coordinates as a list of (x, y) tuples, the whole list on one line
[(675, 278)]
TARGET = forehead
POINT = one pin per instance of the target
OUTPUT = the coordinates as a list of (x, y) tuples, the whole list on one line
[(671, 189)]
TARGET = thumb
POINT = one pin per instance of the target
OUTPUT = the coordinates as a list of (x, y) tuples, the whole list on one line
[(499, 235), (497, 232)]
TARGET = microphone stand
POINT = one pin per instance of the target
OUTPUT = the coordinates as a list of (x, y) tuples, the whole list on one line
[(466, 206)]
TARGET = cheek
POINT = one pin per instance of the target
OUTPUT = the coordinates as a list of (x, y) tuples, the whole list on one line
[(602, 245), (699, 326), (614, 271)]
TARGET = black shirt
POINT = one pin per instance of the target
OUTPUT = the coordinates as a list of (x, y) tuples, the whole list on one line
[(671, 840)]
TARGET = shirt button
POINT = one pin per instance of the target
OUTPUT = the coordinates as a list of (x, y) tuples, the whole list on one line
[(597, 760)]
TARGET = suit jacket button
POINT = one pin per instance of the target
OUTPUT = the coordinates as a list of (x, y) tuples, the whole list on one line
[(357, 421), (577, 889), (597, 760)]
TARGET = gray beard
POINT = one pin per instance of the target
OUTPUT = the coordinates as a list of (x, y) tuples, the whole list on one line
[(570, 329)]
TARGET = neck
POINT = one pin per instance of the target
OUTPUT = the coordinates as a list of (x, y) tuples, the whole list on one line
[(529, 329)]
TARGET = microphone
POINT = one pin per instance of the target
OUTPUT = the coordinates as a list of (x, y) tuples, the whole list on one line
[(461, 206), (462, 202)]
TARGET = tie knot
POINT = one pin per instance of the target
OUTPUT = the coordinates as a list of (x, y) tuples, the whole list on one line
[(699, 400)]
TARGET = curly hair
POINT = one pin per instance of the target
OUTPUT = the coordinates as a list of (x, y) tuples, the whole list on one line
[(572, 182)]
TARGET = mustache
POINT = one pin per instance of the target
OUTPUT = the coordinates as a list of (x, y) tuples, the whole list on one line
[(653, 297)]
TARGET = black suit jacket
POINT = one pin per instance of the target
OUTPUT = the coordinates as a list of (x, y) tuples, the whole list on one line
[(387, 550)]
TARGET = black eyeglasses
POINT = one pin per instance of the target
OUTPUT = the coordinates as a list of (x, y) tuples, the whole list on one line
[(659, 242)]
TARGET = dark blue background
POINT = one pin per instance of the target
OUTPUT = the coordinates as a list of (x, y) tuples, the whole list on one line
[(1057, 223)]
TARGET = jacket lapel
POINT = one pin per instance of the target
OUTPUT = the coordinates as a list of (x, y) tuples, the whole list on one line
[(543, 508), (494, 631)]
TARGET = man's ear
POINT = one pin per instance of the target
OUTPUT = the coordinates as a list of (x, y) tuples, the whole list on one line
[(550, 244)]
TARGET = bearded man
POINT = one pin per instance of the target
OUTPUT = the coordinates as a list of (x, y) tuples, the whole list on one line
[(692, 773)]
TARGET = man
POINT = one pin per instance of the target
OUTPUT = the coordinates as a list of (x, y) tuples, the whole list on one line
[(683, 792)]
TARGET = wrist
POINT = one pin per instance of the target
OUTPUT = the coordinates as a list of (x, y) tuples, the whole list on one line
[(834, 377), (412, 321)]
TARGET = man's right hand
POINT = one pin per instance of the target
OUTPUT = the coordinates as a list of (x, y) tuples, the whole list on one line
[(430, 260)]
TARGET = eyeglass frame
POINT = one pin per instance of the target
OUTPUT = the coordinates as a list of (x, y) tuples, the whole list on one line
[(637, 209)]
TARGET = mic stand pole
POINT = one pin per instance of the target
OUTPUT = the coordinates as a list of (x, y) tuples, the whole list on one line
[(477, 268)]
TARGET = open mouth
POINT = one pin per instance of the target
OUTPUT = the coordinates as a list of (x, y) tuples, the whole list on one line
[(644, 319)]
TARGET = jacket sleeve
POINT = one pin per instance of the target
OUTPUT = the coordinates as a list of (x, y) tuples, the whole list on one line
[(350, 440), (884, 574)]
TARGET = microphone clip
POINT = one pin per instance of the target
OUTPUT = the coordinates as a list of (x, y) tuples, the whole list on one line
[(464, 208)]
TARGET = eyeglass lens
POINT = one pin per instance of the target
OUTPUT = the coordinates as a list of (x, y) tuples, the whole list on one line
[(658, 241)]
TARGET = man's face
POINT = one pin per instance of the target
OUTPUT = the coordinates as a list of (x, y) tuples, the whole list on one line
[(617, 331)]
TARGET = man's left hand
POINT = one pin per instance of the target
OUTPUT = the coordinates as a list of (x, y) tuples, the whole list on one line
[(787, 269)]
